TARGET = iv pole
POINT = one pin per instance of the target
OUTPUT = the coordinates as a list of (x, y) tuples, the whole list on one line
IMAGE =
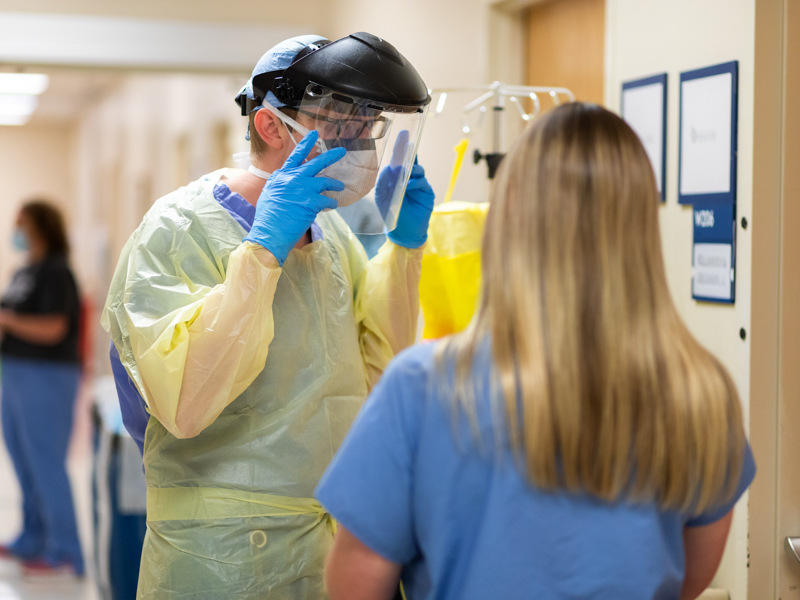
[(499, 92)]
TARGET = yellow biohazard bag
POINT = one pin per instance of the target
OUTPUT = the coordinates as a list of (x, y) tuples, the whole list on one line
[(451, 267), (451, 262)]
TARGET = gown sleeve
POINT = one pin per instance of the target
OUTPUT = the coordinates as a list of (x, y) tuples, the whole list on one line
[(386, 294), (192, 320)]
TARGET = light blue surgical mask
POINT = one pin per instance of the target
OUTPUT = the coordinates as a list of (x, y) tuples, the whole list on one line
[(20, 241)]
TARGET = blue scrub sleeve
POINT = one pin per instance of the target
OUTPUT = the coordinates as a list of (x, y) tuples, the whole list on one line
[(131, 403), (367, 487), (746, 478)]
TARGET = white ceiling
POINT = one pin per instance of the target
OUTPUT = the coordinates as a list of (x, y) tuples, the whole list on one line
[(104, 41)]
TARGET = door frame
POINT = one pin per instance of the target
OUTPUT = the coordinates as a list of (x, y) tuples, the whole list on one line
[(774, 509)]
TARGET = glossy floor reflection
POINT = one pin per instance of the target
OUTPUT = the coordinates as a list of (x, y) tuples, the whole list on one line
[(12, 585)]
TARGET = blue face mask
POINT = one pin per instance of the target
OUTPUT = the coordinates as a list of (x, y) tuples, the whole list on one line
[(20, 241)]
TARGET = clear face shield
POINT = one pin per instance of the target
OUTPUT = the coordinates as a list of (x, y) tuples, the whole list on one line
[(381, 142)]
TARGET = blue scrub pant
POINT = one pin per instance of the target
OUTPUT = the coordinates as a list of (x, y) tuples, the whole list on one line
[(38, 398)]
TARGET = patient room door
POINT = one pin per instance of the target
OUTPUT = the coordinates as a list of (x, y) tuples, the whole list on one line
[(788, 507), (566, 47), (774, 510)]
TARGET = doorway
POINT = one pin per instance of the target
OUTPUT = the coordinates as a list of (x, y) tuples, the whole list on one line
[(774, 509), (565, 46)]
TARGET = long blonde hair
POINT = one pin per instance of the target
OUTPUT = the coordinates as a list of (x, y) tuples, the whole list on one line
[(604, 389)]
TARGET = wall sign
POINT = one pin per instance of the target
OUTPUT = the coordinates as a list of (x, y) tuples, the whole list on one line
[(707, 150), (714, 252), (707, 176), (644, 108)]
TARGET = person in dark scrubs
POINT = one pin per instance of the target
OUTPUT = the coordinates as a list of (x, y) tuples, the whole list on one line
[(39, 325)]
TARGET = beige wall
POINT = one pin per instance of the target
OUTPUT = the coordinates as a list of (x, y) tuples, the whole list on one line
[(34, 161), (157, 132), (645, 37), (313, 12), (146, 139), (452, 43), (152, 135)]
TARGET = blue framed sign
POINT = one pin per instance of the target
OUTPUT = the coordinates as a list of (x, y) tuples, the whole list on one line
[(708, 134), (644, 108), (714, 252)]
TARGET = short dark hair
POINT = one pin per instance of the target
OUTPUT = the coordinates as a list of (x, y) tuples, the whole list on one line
[(49, 224)]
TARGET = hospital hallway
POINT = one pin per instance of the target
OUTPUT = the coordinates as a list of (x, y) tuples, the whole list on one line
[(13, 586), (241, 226)]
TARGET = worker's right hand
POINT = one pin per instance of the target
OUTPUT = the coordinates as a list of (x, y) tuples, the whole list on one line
[(292, 198)]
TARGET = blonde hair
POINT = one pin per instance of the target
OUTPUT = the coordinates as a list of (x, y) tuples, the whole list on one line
[(603, 388)]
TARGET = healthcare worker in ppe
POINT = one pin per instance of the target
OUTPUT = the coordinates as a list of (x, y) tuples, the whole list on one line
[(41, 372), (248, 326)]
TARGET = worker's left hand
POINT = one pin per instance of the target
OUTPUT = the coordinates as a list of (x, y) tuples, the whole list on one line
[(415, 213)]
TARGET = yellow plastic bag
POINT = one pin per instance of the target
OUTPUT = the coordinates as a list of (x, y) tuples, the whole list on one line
[(451, 267), (451, 261)]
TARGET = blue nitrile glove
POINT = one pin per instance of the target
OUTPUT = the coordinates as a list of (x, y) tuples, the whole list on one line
[(292, 198), (415, 214), (384, 188), (391, 174)]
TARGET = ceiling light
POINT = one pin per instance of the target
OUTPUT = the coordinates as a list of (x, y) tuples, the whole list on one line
[(23, 83), (13, 120), (17, 104)]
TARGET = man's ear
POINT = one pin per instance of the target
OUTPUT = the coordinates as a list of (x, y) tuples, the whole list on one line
[(269, 129)]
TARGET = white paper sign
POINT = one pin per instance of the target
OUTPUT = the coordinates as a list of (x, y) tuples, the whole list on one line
[(706, 135), (712, 271), (643, 109)]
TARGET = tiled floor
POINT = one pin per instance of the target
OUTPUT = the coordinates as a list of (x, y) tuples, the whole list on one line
[(12, 585)]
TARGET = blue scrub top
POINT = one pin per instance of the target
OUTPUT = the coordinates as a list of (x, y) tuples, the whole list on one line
[(415, 488)]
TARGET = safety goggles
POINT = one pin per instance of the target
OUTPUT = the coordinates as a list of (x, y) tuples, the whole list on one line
[(351, 128), (381, 140)]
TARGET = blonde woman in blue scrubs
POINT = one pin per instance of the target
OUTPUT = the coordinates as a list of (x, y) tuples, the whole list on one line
[(576, 441)]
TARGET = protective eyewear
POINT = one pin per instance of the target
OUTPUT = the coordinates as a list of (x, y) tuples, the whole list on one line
[(347, 129)]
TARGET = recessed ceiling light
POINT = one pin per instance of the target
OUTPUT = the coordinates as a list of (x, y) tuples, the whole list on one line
[(14, 120), (17, 104), (23, 83)]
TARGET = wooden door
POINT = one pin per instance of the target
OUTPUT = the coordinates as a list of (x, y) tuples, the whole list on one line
[(774, 508), (789, 407), (566, 47)]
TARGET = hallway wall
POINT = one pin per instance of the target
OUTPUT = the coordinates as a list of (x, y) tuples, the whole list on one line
[(452, 43), (154, 134), (646, 37), (34, 162), (313, 14)]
